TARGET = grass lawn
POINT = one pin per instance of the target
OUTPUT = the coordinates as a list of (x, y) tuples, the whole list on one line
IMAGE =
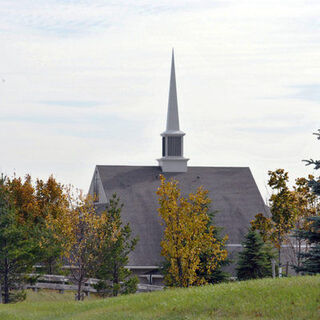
[(286, 298), (51, 296)]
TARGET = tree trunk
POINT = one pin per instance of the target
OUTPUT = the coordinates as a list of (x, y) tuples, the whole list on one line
[(298, 255), (79, 289), (6, 280), (273, 268), (80, 282), (279, 257), (279, 253), (50, 265), (115, 289), (180, 271)]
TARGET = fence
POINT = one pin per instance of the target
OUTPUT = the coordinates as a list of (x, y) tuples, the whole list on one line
[(62, 283)]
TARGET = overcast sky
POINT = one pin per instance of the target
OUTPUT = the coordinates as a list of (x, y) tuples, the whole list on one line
[(85, 82)]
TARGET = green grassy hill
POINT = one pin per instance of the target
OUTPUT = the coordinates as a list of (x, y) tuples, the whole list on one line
[(286, 298)]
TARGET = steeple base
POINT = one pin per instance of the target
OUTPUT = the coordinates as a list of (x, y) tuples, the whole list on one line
[(173, 164)]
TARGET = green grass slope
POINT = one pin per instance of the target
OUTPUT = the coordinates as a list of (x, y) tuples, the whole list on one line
[(51, 296), (286, 298)]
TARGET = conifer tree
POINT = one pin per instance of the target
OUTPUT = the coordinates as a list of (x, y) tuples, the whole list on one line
[(311, 259), (218, 274), (315, 183), (113, 256), (255, 258)]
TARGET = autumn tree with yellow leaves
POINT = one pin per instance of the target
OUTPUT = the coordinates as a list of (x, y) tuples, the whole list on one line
[(187, 235), (82, 233), (283, 211), (307, 206), (34, 204), (289, 210), (50, 224), (22, 194), (52, 203)]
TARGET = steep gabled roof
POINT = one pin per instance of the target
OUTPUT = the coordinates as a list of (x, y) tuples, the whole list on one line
[(233, 192)]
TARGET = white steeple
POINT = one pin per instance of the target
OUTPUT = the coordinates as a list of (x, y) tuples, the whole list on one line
[(172, 139), (172, 116)]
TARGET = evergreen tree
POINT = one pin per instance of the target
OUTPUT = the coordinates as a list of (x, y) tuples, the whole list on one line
[(255, 258), (315, 184), (311, 259), (217, 275), (114, 255)]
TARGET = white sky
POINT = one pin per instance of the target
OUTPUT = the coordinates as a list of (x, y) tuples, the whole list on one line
[(85, 82)]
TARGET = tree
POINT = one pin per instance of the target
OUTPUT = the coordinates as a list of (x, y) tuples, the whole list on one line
[(114, 255), (52, 202), (22, 194), (34, 205), (187, 236), (217, 275), (315, 183), (17, 248), (265, 226), (255, 258), (311, 259), (283, 207), (307, 206), (82, 233), (289, 210)]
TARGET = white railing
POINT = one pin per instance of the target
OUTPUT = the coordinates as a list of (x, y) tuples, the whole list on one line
[(62, 283)]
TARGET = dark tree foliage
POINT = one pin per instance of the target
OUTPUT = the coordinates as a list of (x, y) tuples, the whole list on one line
[(115, 278), (255, 258), (17, 248), (315, 184), (311, 259), (217, 275)]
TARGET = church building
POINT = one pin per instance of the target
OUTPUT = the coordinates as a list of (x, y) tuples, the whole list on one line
[(233, 191)]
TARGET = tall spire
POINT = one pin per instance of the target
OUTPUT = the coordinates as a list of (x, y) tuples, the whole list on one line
[(172, 139), (172, 116)]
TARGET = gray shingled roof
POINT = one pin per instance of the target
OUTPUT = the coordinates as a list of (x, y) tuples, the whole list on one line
[(232, 190)]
